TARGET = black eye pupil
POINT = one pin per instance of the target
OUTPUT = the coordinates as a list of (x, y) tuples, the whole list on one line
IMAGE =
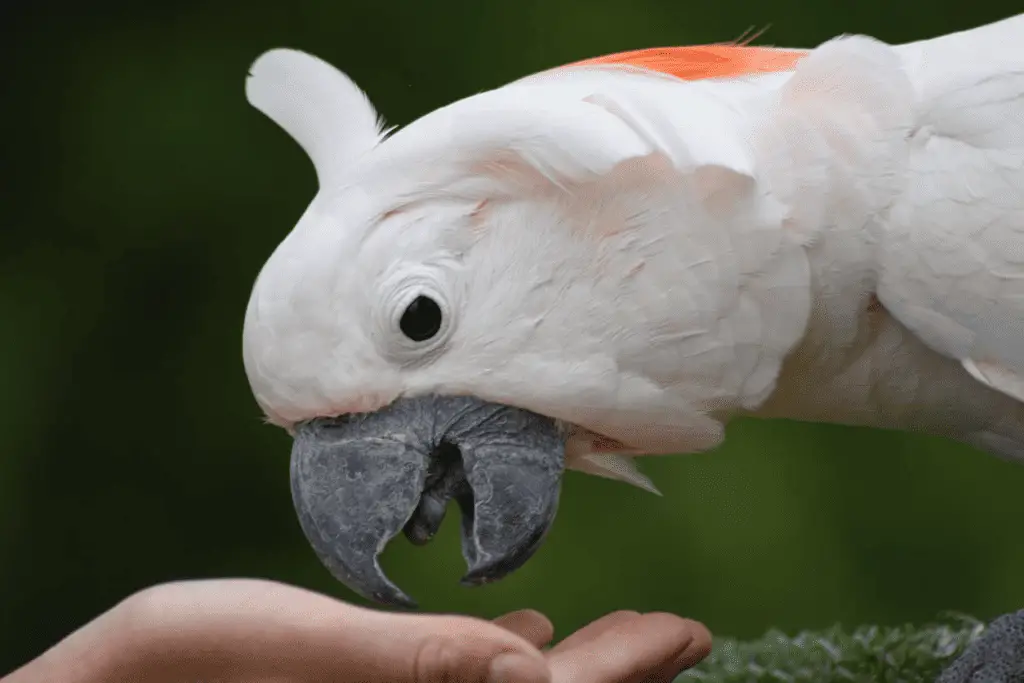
[(421, 320)]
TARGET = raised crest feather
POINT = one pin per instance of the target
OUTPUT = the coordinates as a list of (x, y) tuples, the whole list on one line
[(317, 105)]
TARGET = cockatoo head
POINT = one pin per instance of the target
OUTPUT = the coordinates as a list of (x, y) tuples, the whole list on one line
[(460, 310)]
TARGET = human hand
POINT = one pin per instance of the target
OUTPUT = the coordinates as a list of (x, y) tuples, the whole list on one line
[(254, 631)]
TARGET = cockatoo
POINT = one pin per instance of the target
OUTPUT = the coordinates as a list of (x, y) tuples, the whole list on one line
[(615, 257)]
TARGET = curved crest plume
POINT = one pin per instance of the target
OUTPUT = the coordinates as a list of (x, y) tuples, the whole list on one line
[(327, 114)]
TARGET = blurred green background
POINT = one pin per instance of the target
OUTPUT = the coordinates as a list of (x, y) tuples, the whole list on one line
[(144, 194)]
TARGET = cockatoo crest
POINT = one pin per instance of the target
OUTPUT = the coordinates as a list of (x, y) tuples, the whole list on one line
[(318, 106)]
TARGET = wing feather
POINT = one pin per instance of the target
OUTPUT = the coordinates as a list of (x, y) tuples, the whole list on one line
[(953, 253)]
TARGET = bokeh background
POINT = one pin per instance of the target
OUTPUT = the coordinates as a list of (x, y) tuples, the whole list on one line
[(142, 195)]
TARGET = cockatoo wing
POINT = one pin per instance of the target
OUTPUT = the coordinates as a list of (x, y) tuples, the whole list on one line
[(953, 250)]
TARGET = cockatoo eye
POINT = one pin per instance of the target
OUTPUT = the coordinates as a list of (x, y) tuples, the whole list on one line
[(415, 318), (421, 320)]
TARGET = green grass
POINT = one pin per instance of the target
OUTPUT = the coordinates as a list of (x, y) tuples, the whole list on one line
[(870, 654)]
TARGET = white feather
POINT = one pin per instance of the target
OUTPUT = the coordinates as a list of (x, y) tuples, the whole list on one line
[(912, 189), (617, 467), (317, 105), (953, 248)]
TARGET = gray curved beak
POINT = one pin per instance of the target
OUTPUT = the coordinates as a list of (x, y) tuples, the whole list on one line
[(359, 480)]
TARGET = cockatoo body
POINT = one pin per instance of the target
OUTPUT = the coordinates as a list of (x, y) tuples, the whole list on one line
[(616, 257)]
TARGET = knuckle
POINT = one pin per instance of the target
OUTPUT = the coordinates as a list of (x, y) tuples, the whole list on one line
[(619, 618), (624, 614), (448, 659), (667, 622)]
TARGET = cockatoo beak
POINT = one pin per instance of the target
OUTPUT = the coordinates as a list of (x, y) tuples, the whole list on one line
[(358, 480)]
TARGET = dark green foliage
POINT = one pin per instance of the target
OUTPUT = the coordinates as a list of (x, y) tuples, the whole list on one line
[(869, 654)]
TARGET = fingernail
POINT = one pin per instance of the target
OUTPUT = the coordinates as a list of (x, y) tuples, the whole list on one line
[(516, 668)]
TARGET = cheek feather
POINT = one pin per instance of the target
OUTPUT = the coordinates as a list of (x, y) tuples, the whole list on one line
[(365, 403)]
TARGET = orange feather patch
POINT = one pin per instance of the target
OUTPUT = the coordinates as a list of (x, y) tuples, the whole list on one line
[(695, 62)]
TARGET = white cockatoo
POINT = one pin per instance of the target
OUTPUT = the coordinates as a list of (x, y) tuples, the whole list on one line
[(613, 258)]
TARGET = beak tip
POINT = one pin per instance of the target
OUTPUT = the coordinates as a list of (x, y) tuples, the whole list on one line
[(472, 580), (371, 584), (395, 598), (483, 573)]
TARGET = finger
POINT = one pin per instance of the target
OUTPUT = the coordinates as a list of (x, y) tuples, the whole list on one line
[(690, 656), (595, 629), (651, 647), (245, 630), (699, 648), (529, 625)]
